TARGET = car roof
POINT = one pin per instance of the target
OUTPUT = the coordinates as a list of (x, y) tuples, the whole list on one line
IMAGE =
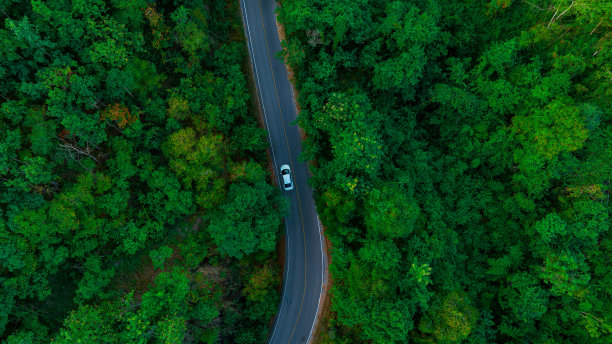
[(286, 178)]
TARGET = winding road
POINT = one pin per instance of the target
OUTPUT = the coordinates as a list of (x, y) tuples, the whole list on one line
[(304, 258)]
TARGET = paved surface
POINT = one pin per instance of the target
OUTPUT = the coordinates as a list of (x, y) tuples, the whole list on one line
[(303, 275)]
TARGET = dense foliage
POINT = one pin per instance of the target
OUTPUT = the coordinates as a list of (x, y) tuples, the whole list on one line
[(463, 160), (118, 121)]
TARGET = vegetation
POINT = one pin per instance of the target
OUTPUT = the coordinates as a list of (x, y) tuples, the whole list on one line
[(119, 120), (462, 165)]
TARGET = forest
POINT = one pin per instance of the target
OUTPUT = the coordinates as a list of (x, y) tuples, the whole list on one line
[(461, 154), (136, 205), (461, 157)]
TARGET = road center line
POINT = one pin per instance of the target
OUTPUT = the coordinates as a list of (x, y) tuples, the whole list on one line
[(290, 162)]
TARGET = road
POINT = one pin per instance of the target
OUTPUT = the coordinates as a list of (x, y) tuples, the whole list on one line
[(304, 258)]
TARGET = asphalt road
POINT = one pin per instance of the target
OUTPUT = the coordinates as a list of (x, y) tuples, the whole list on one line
[(303, 275)]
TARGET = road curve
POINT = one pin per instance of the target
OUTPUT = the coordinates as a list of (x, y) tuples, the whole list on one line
[(304, 258)]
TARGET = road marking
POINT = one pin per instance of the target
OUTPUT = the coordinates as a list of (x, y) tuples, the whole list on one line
[(322, 277), (291, 163), (273, 156)]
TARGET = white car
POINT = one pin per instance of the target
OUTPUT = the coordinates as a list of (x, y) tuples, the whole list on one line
[(286, 173)]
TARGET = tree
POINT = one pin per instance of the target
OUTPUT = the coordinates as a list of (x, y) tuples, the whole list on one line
[(168, 296), (356, 144), (390, 212), (556, 128), (451, 318), (171, 330), (94, 280), (401, 73), (199, 162), (248, 221), (191, 37), (120, 114), (527, 300), (160, 256), (88, 324)]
